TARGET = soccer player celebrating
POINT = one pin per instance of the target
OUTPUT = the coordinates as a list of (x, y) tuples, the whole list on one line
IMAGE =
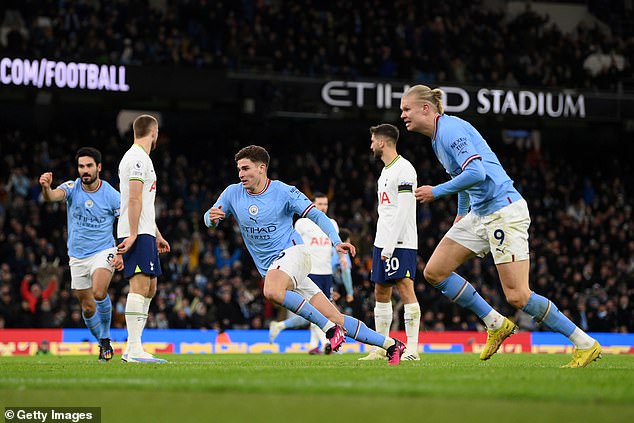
[(498, 223), (92, 205), (396, 240), (140, 241), (321, 254), (264, 211)]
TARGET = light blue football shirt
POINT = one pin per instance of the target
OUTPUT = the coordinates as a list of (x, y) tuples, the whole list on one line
[(456, 143), (266, 219), (91, 217)]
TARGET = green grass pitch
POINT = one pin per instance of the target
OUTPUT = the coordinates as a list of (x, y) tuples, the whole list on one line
[(302, 388)]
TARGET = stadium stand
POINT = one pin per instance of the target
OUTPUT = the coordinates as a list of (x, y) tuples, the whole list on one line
[(404, 39)]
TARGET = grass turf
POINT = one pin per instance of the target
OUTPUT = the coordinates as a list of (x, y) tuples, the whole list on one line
[(284, 387)]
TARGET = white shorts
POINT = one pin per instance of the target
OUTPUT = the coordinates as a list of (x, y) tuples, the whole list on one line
[(503, 233), (295, 262), (81, 270)]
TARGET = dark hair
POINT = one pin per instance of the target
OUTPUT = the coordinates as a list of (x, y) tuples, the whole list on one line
[(386, 130), (88, 152), (143, 124), (255, 153), (344, 234), (318, 194)]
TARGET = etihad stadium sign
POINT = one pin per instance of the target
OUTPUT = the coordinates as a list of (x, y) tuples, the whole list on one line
[(46, 73), (354, 94)]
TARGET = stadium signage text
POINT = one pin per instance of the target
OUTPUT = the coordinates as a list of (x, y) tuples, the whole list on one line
[(349, 93), (457, 100), (49, 73)]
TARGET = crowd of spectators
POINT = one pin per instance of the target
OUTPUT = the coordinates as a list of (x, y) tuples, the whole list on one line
[(582, 235), (459, 41)]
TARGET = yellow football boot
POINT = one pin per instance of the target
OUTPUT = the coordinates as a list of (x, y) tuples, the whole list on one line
[(496, 337), (581, 358)]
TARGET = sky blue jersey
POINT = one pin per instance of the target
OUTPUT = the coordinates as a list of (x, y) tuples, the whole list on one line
[(456, 144), (266, 219), (91, 217)]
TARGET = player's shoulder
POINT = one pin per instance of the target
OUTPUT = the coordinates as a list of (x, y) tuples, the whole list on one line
[(127, 157), (403, 163), (108, 188), (135, 153), (70, 185), (106, 185), (233, 190), (408, 168), (278, 185), (450, 127), (283, 188)]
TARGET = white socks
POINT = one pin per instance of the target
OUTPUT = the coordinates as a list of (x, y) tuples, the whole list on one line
[(493, 320), (316, 336), (383, 318), (582, 340), (412, 325), (136, 309)]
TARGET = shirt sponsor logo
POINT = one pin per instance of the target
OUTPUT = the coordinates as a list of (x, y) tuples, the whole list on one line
[(259, 233)]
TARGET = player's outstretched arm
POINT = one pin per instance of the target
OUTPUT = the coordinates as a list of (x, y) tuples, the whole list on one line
[(50, 195)]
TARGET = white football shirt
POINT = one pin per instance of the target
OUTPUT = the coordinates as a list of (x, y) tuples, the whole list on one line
[(396, 227), (318, 245), (136, 165)]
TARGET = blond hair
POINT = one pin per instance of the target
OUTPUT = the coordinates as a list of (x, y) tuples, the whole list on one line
[(143, 124), (424, 93)]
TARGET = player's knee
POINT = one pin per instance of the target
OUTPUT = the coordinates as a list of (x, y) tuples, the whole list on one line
[(151, 292), (382, 294), (88, 307), (99, 294), (433, 276), (274, 294), (517, 299), (407, 294)]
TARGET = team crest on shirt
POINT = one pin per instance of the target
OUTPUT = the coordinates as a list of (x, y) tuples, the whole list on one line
[(253, 210), (70, 184), (89, 203)]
